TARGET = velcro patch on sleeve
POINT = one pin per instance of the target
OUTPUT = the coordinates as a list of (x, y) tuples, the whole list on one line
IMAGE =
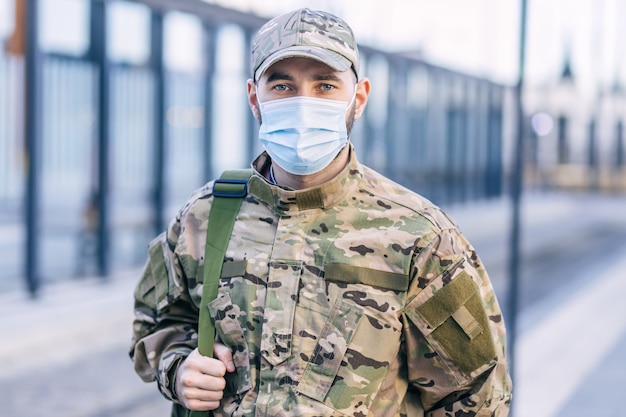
[(458, 324)]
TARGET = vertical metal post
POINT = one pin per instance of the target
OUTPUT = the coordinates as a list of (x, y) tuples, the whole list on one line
[(463, 176), (494, 148), (398, 158), (592, 155), (390, 130), (158, 69), (210, 34), (99, 57), (619, 145), (33, 140), (253, 124), (516, 193)]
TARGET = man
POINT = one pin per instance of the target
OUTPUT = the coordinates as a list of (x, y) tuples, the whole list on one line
[(344, 293)]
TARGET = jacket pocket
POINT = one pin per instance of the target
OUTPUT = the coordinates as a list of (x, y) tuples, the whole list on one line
[(280, 304), (330, 350), (153, 287), (226, 317), (351, 359)]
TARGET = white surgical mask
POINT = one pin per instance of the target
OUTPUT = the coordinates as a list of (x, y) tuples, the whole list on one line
[(303, 134)]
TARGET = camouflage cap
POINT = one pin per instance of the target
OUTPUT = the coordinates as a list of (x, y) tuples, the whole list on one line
[(305, 33)]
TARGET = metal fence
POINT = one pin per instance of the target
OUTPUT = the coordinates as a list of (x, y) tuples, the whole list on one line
[(118, 147)]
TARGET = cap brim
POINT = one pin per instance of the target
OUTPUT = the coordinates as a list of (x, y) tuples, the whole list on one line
[(334, 60)]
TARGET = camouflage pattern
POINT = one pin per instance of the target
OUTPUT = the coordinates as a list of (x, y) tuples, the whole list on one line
[(355, 298), (308, 33)]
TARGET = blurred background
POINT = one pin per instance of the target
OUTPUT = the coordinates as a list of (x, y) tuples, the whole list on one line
[(112, 112)]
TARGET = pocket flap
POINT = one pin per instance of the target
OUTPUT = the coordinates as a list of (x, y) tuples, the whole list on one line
[(350, 274), (447, 300), (330, 350)]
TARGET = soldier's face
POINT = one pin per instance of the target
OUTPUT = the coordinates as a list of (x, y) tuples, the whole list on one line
[(307, 77)]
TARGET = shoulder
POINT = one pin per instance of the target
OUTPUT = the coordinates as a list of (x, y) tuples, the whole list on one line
[(404, 202), (191, 218), (198, 203)]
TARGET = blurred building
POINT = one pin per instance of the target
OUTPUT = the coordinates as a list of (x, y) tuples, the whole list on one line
[(576, 140)]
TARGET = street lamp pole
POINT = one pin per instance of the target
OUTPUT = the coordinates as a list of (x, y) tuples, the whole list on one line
[(516, 194)]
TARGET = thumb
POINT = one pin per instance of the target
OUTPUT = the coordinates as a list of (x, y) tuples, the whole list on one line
[(224, 355)]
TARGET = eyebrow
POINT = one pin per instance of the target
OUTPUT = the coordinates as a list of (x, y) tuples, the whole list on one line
[(279, 76), (328, 77), (276, 76)]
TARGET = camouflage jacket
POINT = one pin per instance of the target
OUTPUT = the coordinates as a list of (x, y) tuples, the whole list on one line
[(355, 298)]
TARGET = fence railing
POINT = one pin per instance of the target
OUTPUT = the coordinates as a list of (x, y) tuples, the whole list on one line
[(157, 133)]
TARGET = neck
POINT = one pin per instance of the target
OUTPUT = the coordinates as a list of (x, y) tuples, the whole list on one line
[(299, 182)]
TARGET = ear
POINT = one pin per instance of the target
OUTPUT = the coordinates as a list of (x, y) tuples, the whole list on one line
[(362, 93), (253, 100)]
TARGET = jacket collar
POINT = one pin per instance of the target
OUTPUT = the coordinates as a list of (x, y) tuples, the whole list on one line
[(285, 201)]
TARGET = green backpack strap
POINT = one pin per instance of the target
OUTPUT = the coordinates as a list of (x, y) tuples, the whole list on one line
[(228, 193)]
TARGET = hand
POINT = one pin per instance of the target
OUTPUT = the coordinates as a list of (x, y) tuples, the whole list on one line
[(200, 380)]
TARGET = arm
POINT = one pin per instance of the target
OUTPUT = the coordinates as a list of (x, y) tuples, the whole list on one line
[(455, 335), (164, 346), (164, 329)]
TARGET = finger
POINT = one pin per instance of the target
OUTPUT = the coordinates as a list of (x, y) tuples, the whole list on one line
[(198, 405), (204, 365), (210, 366), (209, 383), (224, 355), (199, 394), (202, 393), (193, 380)]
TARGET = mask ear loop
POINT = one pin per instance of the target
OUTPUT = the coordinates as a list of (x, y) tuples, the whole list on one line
[(352, 100)]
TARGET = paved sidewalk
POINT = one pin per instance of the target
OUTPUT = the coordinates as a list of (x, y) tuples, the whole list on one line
[(572, 360), (65, 354), (601, 394)]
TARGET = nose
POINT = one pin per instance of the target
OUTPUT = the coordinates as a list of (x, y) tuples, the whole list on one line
[(305, 91)]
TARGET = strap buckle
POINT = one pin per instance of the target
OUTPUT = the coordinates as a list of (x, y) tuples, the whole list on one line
[(230, 188)]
